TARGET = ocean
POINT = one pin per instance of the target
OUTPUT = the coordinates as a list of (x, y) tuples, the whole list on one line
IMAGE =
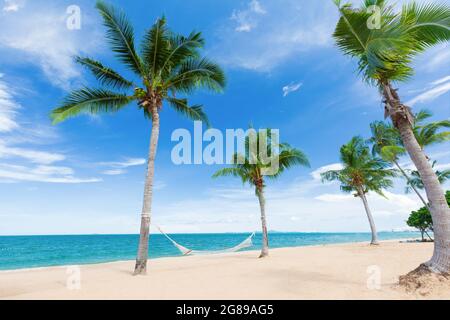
[(18, 252)]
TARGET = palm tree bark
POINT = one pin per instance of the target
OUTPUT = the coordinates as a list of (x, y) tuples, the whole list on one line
[(265, 238), (142, 254), (411, 185), (440, 211), (373, 228)]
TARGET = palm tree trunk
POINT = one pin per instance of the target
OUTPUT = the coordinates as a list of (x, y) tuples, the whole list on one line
[(411, 185), (142, 254), (265, 238), (373, 228), (440, 211)]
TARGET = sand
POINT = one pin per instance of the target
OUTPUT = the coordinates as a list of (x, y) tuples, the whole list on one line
[(346, 271)]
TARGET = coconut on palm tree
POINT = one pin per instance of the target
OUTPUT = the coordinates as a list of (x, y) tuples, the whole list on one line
[(362, 173), (385, 50), (262, 156), (166, 66)]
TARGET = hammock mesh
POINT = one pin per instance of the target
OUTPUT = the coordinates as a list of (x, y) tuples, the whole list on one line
[(186, 251)]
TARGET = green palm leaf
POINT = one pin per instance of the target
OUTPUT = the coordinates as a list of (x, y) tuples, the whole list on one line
[(197, 73), (91, 101), (156, 47), (192, 112), (105, 75), (121, 36)]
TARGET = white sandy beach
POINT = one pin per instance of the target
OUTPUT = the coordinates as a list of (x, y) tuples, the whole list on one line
[(319, 272)]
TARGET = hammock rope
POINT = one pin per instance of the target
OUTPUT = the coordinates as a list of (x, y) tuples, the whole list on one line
[(186, 251)]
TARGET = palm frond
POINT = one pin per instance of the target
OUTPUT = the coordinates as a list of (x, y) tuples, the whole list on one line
[(121, 36), (105, 75), (195, 74), (156, 47), (91, 101), (181, 49), (429, 23), (192, 112)]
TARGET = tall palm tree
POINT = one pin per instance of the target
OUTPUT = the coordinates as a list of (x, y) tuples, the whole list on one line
[(166, 65), (251, 167), (386, 143), (384, 53), (361, 173)]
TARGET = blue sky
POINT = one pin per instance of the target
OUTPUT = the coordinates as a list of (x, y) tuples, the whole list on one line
[(283, 70)]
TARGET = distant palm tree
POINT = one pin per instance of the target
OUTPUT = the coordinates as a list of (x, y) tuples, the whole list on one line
[(384, 49), (251, 166), (428, 134), (416, 181), (168, 64), (362, 173), (386, 143)]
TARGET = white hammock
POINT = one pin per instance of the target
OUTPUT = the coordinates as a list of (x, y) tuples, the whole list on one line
[(186, 251)]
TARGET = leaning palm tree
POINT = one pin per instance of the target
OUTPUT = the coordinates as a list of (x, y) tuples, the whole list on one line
[(362, 173), (386, 143), (416, 181), (166, 65), (385, 48), (256, 165)]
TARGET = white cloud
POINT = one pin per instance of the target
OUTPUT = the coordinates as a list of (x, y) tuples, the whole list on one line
[(114, 172), (29, 163), (13, 5), (46, 174), (291, 88), (118, 167), (431, 94), (38, 32), (272, 38), (436, 58), (8, 108), (247, 19), (34, 156), (316, 174), (443, 166), (440, 81)]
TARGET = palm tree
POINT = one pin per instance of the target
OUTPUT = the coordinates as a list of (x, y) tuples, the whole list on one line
[(384, 54), (428, 134), (416, 181), (167, 64), (254, 166), (361, 173), (386, 143)]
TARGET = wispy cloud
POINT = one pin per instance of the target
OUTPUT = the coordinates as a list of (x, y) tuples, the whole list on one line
[(439, 88), (8, 108), (39, 35), (46, 174), (316, 174), (34, 156), (247, 19), (291, 88), (118, 167), (13, 5), (268, 34)]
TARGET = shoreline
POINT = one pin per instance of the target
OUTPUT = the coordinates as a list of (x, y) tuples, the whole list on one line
[(181, 256), (336, 271)]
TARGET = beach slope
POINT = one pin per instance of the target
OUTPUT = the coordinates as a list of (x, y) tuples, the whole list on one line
[(345, 271)]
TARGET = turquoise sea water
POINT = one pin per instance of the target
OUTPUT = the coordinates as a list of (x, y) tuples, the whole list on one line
[(17, 252)]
